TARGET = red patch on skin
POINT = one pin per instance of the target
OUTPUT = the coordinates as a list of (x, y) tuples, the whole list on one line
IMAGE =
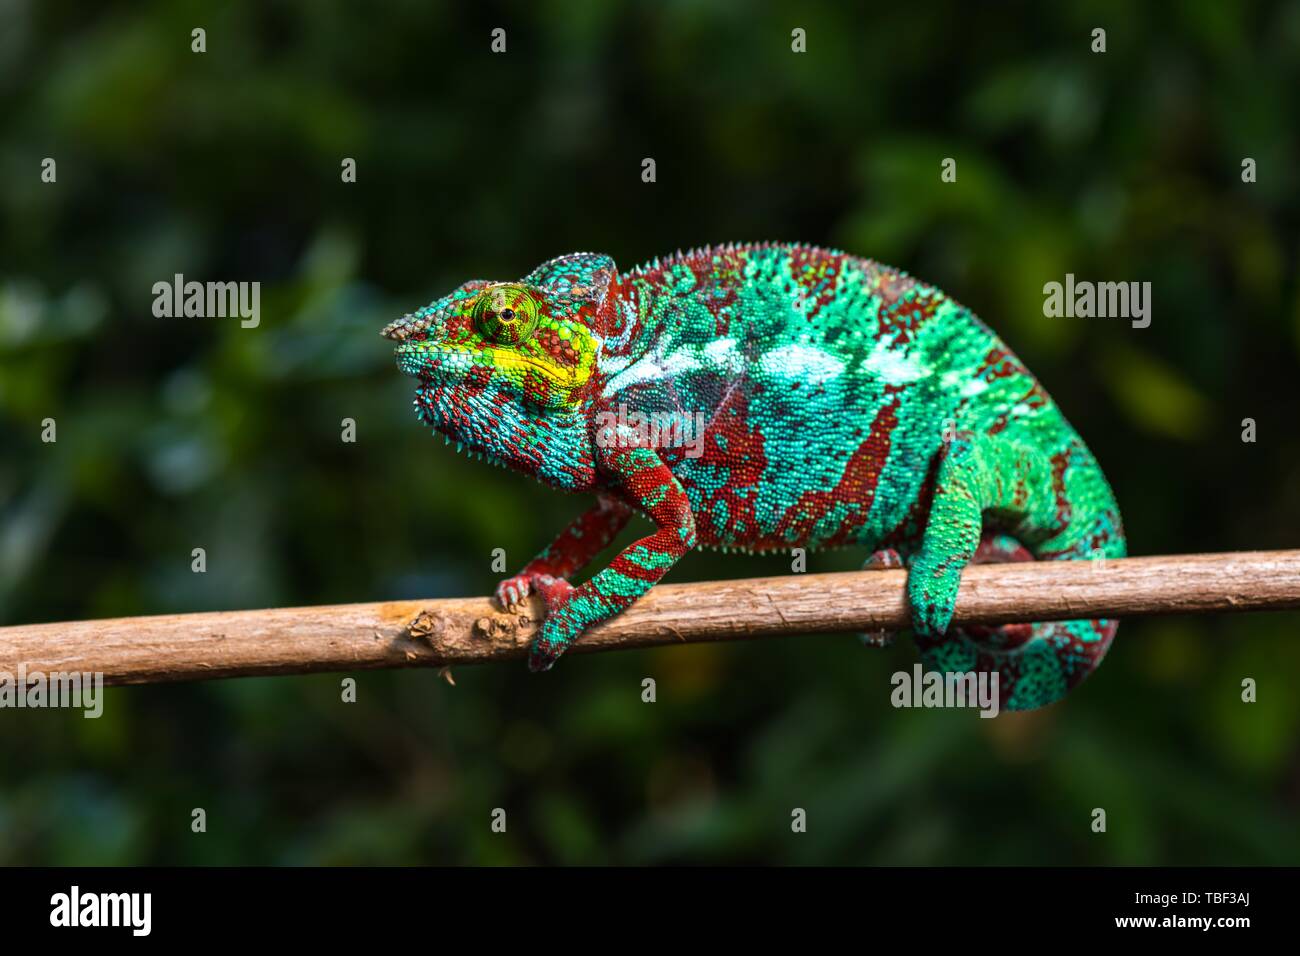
[(999, 363), (893, 285), (718, 277), (731, 443), (606, 318), (536, 387), (634, 571), (900, 319), (476, 379), (627, 335), (560, 350), (808, 268), (1060, 462), (458, 322), (856, 487)]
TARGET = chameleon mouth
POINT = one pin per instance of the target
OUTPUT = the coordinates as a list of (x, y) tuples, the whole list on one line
[(432, 364)]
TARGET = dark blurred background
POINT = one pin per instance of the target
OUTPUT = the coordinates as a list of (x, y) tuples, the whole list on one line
[(183, 433)]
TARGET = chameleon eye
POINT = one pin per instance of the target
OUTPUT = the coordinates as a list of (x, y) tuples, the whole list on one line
[(506, 314)]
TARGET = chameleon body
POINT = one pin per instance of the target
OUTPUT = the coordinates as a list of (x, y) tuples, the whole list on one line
[(761, 397)]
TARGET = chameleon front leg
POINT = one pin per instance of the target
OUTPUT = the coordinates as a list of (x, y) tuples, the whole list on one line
[(646, 482), (571, 551)]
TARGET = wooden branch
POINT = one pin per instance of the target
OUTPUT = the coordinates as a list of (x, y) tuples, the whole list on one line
[(472, 631)]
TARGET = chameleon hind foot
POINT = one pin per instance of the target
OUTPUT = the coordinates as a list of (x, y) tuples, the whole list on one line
[(977, 474), (980, 646), (882, 560)]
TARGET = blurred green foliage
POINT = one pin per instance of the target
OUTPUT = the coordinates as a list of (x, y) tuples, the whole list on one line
[(176, 433)]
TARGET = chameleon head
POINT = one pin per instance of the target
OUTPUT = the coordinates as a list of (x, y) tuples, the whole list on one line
[(506, 336), (508, 369)]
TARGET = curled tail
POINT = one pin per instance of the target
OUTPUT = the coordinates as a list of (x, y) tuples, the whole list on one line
[(996, 500)]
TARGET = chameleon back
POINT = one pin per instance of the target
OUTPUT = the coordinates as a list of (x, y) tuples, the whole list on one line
[(818, 395)]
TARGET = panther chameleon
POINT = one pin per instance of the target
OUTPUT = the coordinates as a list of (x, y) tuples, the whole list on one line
[(842, 402)]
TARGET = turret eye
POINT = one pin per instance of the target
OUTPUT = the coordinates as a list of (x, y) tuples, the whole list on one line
[(506, 314)]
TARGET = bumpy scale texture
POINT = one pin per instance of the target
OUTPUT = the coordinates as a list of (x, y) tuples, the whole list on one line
[(820, 400)]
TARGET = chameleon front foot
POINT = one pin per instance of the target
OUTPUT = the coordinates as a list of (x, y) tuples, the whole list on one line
[(558, 632), (559, 628), (512, 592)]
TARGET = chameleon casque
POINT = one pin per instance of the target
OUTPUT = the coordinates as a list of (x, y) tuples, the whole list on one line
[(842, 403)]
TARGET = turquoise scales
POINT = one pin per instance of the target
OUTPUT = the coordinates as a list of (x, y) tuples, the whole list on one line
[(769, 397)]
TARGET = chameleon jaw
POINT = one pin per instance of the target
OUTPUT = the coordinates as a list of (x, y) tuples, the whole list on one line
[(415, 358)]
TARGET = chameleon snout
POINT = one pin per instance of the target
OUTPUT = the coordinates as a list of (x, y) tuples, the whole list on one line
[(408, 325)]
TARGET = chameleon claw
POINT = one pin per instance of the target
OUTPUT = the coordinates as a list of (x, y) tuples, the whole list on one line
[(540, 657), (512, 591)]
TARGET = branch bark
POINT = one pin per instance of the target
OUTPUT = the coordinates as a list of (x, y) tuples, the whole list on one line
[(459, 631)]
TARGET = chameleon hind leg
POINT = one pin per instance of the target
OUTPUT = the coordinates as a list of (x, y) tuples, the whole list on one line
[(979, 477), (1017, 490)]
